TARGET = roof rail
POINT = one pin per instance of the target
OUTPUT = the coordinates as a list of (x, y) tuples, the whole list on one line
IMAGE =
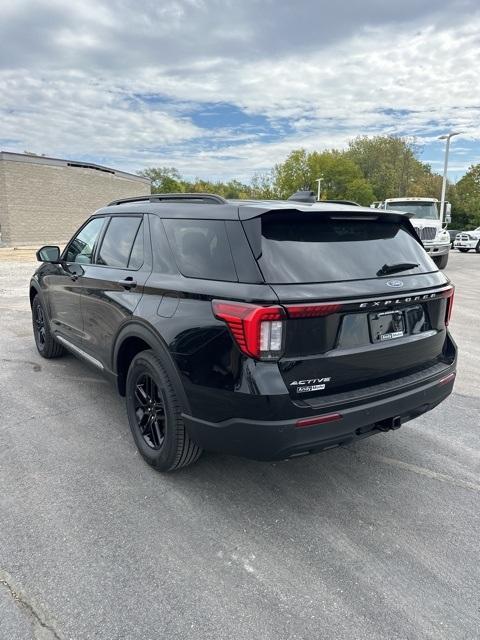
[(173, 197)]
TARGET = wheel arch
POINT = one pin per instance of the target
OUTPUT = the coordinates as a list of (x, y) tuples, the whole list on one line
[(134, 338), (33, 291)]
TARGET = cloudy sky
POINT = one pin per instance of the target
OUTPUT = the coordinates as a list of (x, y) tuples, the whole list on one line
[(227, 88)]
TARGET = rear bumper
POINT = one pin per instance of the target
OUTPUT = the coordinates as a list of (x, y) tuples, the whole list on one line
[(265, 440)]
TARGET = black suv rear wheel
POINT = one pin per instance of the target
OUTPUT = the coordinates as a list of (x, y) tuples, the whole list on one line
[(47, 346), (155, 417)]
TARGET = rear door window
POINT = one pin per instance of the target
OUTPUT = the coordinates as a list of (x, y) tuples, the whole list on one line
[(118, 242), (317, 248), (201, 249)]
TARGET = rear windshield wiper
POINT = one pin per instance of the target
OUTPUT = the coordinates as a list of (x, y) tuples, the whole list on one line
[(395, 268)]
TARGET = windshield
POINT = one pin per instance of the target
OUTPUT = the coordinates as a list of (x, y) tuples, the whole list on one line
[(418, 209)]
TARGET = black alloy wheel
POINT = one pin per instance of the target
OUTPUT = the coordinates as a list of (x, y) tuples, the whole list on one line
[(39, 326), (46, 344), (155, 414), (150, 411)]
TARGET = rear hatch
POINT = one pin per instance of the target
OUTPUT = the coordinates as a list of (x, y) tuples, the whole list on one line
[(364, 303)]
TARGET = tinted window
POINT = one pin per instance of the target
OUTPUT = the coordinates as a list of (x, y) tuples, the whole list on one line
[(82, 246), (315, 248), (118, 242), (201, 249), (163, 260)]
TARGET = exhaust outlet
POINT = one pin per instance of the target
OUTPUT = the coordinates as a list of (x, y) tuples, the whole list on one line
[(389, 424)]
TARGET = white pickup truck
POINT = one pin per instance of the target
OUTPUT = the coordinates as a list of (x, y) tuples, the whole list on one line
[(426, 220), (467, 240)]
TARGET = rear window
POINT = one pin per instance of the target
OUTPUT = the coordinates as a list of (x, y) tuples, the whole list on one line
[(201, 249), (315, 248)]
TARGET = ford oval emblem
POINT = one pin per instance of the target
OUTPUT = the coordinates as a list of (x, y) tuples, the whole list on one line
[(394, 283)]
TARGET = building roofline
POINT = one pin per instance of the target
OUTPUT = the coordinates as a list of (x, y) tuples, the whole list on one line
[(12, 156)]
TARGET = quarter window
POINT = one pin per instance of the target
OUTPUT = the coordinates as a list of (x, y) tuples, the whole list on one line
[(201, 249), (163, 260), (82, 246), (118, 243)]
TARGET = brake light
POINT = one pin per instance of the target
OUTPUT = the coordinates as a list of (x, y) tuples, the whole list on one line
[(311, 310), (258, 331), (449, 294)]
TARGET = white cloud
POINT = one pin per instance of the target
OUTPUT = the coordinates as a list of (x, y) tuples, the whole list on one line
[(82, 85)]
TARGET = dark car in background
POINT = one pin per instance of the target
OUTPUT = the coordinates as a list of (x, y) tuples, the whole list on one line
[(263, 329), (452, 233)]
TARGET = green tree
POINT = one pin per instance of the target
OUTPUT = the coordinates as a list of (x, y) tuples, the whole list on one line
[(465, 198), (262, 186), (389, 164), (164, 179), (292, 174), (341, 177)]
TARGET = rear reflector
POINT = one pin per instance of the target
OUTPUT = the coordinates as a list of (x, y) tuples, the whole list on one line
[(446, 380), (258, 331), (311, 310), (303, 423)]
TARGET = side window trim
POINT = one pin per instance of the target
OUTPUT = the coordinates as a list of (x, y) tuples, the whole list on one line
[(99, 242), (141, 227), (101, 236), (78, 232)]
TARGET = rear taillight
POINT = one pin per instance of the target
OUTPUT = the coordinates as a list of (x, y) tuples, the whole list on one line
[(258, 331), (449, 294)]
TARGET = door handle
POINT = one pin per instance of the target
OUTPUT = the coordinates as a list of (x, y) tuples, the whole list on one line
[(128, 283)]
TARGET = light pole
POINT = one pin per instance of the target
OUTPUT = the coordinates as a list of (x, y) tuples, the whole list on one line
[(319, 180), (446, 137)]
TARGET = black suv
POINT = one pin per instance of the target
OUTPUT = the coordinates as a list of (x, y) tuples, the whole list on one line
[(266, 329)]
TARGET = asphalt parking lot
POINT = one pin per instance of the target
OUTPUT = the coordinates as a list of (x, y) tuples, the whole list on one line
[(378, 541)]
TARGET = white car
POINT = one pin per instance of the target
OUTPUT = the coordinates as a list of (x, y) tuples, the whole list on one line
[(467, 240)]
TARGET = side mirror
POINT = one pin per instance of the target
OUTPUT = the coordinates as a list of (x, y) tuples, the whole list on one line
[(49, 254), (448, 218)]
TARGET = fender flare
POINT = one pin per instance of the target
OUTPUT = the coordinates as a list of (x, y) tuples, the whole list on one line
[(156, 342)]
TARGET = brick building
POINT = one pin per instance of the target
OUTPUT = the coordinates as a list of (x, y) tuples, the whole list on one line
[(43, 200)]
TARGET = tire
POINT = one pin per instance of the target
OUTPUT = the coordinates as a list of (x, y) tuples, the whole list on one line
[(441, 261), (477, 248), (154, 415), (463, 250), (46, 344)]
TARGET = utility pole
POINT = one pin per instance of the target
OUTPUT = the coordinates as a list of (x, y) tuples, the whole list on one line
[(319, 181), (446, 137)]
